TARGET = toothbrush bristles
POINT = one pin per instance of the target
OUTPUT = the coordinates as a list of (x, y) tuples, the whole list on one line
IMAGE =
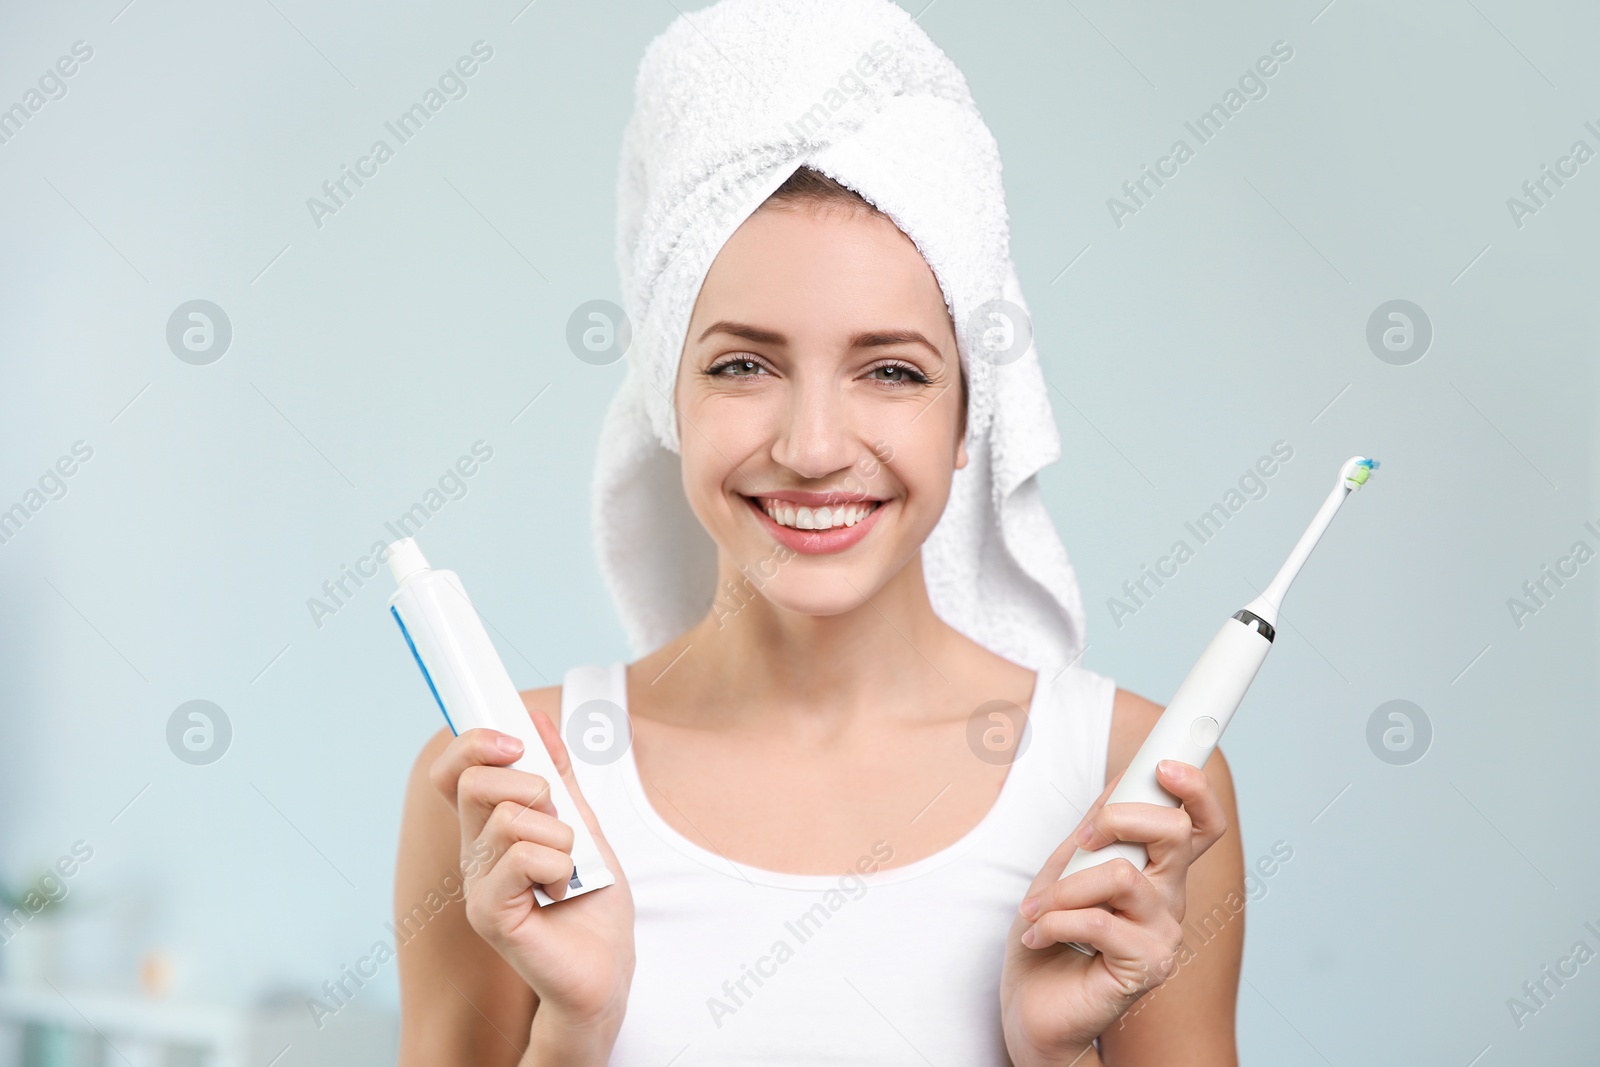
[(1363, 470)]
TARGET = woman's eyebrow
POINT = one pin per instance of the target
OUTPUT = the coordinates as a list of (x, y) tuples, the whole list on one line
[(877, 338), (869, 339), (746, 331)]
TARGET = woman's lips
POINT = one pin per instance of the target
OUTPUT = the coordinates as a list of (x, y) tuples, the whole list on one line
[(816, 542)]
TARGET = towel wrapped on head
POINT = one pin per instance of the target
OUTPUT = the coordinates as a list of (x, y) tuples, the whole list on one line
[(729, 102)]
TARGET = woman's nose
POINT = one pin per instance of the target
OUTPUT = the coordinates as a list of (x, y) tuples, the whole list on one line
[(817, 436)]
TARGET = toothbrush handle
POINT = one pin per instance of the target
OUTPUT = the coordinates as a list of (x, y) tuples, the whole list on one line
[(1187, 730)]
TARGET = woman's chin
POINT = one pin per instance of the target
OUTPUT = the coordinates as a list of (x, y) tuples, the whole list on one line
[(826, 590)]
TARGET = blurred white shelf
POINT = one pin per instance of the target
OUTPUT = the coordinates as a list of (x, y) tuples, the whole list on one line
[(44, 1027)]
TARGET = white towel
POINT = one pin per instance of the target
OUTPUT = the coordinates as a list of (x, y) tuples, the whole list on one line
[(728, 103)]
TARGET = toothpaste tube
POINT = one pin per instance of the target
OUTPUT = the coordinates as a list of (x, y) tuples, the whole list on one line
[(473, 690)]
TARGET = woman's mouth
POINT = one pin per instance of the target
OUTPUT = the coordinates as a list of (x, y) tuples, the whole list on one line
[(816, 523)]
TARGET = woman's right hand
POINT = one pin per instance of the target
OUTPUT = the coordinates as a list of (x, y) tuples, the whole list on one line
[(576, 955)]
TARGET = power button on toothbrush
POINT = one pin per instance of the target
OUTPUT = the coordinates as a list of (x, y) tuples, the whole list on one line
[(1204, 731)]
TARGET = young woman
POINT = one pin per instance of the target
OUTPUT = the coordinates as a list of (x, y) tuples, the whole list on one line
[(822, 854)]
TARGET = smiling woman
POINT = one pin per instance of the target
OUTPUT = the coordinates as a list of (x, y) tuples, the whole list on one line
[(842, 341), (901, 686)]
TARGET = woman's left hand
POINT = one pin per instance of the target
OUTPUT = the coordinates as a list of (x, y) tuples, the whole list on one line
[(1054, 1000)]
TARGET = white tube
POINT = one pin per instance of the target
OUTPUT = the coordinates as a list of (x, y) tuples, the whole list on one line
[(473, 690)]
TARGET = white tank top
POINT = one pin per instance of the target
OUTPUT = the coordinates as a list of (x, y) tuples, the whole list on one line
[(892, 965)]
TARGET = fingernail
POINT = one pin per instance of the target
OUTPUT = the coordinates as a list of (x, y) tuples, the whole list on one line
[(508, 744), (1030, 908), (1028, 937), (1085, 833), (1174, 771)]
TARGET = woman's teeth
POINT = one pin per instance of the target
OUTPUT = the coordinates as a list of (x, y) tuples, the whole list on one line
[(803, 518)]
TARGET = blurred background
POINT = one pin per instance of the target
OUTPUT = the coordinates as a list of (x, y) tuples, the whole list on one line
[(222, 382)]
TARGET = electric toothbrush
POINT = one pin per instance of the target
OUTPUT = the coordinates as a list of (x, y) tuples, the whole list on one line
[(472, 688), (1193, 722)]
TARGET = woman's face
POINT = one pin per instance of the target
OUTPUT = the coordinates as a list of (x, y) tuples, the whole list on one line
[(820, 407)]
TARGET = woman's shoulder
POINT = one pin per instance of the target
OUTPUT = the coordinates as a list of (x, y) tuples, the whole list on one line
[(1132, 718), (546, 701), (586, 680), (1098, 716)]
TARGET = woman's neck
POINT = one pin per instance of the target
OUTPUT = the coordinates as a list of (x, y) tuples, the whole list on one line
[(760, 657)]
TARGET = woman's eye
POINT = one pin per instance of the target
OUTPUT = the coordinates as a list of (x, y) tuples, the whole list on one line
[(738, 368), (893, 372)]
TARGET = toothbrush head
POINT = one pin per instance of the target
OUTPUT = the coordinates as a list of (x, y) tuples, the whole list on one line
[(1354, 474)]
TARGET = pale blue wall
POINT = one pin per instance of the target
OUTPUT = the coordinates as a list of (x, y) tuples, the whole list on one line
[(1220, 318)]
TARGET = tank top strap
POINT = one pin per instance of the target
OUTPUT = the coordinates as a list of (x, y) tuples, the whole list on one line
[(1075, 730)]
